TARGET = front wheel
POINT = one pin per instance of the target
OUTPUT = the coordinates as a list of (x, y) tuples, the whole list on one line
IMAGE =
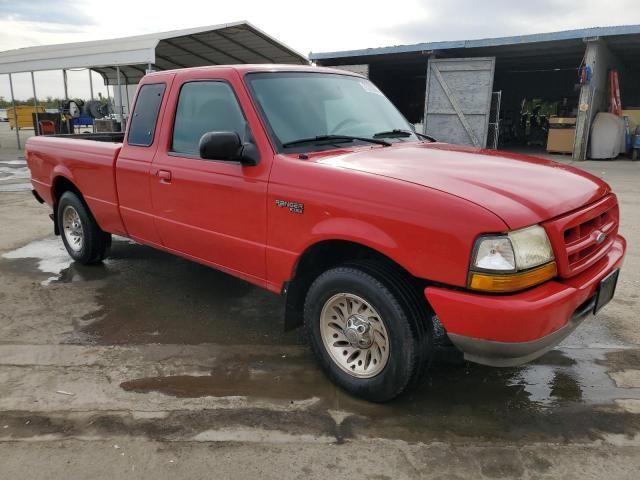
[(84, 240), (368, 330)]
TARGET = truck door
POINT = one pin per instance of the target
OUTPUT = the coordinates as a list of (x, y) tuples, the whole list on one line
[(133, 164), (458, 100), (212, 211)]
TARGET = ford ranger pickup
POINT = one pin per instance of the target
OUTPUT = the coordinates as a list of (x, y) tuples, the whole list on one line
[(384, 242)]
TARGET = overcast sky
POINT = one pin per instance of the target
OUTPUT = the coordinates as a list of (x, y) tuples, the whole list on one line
[(327, 25)]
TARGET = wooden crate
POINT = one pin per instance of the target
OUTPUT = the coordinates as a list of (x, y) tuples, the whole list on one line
[(24, 116)]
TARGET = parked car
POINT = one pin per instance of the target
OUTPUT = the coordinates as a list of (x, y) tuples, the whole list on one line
[(3, 115), (308, 182)]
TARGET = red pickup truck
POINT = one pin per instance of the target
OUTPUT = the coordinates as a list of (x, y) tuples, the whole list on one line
[(308, 182)]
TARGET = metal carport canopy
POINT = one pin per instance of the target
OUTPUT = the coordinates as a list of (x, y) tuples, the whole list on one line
[(228, 43), (542, 44)]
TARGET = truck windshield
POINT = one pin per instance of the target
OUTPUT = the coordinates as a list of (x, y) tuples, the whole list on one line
[(315, 111)]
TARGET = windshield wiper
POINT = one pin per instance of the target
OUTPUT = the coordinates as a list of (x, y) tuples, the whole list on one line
[(398, 133), (393, 133), (339, 138), (426, 137)]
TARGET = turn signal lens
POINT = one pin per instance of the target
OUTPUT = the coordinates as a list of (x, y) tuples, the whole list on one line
[(511, 282)]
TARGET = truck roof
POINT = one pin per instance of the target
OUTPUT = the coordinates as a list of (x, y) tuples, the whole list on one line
[(259, 67)]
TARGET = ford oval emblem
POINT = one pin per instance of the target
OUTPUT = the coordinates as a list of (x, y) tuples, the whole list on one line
[(601, 237)]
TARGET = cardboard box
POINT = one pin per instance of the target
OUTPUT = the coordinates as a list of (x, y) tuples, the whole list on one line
[(560, 140)]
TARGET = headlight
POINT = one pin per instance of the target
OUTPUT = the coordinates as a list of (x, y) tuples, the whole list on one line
[(514, 261)]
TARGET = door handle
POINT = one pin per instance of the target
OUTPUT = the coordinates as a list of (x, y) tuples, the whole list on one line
[(164, 176)]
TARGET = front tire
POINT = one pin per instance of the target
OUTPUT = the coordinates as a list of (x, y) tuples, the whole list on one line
[(367, 328), (84, 240)]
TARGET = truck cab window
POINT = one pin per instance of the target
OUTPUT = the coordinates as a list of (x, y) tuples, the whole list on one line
[(145, 115), (205, 107)]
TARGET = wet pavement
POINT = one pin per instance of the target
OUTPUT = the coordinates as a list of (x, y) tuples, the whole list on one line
[(152, 351), (14, 175), (146, 298)]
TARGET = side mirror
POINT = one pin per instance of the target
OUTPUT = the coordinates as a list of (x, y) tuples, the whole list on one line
[(227, 146)]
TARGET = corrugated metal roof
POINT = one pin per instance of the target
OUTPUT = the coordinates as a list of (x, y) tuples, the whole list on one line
[(484, 43), (228, 43)]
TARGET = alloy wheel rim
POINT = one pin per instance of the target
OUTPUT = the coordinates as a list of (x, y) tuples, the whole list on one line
[(354, 335), (72, 227)]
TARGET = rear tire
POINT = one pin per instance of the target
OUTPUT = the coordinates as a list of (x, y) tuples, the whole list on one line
[(84, 240), (349, 297)]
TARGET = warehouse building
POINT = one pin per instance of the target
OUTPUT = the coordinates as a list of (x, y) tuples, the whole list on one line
[(529, 92)]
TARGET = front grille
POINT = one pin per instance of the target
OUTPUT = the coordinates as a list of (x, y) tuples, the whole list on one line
[(583, 237)]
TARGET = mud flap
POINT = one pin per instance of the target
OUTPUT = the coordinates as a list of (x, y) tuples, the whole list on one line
[(54, 218)]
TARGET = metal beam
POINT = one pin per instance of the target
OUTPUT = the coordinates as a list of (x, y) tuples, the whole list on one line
[(132, 67), (215, 49), (169, 42), (235, 42), (15, 112), (274, 44), (165, 59)]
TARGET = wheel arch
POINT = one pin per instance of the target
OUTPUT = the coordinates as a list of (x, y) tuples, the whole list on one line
[(59, 186), (323, 255)]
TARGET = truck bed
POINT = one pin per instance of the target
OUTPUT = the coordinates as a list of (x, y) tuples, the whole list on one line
[(88, 161)]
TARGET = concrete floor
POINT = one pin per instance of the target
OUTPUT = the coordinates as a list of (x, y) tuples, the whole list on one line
[(8, 140), (153, 366)]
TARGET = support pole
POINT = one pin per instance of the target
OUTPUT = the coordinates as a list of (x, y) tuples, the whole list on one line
[(91, 83), (64, 81), (35, 103), (119, 99), (15, 112), (66, 97), (126, 93)]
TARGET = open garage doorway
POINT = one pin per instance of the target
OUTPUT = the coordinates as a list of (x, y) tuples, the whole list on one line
[(539, 103)]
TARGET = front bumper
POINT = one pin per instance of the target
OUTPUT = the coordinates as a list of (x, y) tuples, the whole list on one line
[(508, 330)]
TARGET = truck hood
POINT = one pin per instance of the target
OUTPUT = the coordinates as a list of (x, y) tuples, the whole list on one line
[(520, 189)]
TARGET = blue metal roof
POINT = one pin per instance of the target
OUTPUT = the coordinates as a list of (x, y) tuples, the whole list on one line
[(486, 42)]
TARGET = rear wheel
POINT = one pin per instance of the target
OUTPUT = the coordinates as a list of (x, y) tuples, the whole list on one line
[(84, 240), (368, 329)]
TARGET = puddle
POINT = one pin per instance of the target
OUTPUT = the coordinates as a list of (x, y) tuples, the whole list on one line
[(160, 298), (14, 176), (50, 254), (547, 384), (13, 162), (223, 383), (15, 187), (553, 398), (148, 296), (13, 173)]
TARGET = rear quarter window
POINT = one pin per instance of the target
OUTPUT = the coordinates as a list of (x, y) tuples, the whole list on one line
[(145, 115)]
